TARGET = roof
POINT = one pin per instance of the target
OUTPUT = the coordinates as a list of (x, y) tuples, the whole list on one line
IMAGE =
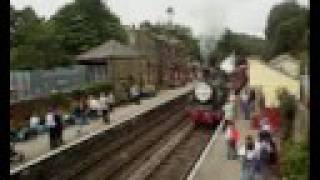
[(286, 64), (111, 49)]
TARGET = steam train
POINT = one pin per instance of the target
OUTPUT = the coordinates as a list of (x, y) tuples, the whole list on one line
[(212, 91), (208, 97)]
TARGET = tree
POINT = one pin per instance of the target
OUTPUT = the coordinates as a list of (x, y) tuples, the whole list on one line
[(286, 29), (85, 24), (288, 110), (180, 32), (240, 43), (20, 22), (34, 43)]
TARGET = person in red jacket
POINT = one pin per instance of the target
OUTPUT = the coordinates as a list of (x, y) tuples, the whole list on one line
[(232, 137)]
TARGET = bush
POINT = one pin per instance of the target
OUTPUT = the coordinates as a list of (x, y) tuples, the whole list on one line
[(97, 88), (295, 160), (59, 99), (287, 109)]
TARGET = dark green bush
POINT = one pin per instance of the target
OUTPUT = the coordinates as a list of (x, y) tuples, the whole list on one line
[(295, 160)]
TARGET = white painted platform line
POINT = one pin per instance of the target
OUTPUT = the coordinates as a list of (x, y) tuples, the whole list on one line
[(205, 152)]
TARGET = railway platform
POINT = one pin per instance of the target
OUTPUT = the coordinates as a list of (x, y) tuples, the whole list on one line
[(37, 149), (213, 163)]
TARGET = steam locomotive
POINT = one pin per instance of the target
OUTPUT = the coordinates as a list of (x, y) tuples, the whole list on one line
[(212, 91), (208, 97)]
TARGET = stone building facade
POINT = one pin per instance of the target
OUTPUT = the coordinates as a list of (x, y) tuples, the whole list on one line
[(124, 65), (168, 56)]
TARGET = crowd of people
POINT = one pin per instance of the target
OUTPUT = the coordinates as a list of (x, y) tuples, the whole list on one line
[(258, 157), (83, 110)]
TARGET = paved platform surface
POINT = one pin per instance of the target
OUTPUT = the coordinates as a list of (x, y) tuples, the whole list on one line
[(39, 146), (215, 165)]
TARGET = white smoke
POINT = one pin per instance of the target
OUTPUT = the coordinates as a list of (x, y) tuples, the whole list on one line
[(210, 19)]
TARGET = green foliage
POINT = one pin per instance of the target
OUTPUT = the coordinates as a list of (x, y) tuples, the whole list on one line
[(59, 99), (34, 43), (288, 110), (180, 32), (84, 24), (39, 44), (242, 43), (295, 160), (287, 29), (96, 88)]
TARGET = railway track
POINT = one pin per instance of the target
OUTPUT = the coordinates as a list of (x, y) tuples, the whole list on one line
[(165, 147), (166, 152)]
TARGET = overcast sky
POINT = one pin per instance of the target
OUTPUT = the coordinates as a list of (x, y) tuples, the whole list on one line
[(204, 16)]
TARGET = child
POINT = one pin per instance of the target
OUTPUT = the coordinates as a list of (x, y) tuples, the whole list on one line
[(232, 140)]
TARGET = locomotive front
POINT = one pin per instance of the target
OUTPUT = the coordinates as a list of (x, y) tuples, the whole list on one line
[(208, 98)]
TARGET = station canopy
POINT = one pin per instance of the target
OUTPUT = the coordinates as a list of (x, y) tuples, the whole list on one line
[(228, 64)]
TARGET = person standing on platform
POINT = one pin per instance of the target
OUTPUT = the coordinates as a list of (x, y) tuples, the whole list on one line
[(58, 125), (134, 94), (50, 123), (92, 102), (247, 155), (232, 140), (105, 108), (111, 100), (229, 111), (85, 110), (245, 104), (34, 122), (252, 99), (263, 151), (77, 114)]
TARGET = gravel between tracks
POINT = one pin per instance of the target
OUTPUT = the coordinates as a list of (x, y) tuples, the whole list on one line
[(112, 162), (182, 159)]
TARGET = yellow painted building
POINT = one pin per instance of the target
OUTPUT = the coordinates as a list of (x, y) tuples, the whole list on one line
[(270, 80)]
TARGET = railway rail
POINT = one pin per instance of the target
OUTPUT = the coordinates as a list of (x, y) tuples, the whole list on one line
[(165, 145), (164, 148)]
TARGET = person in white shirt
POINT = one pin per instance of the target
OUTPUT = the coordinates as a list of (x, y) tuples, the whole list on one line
[(50, 123), (105, 108), (34, 121), (111, 100), (134, 91), (229, 111), (263, 150), (93, 106)]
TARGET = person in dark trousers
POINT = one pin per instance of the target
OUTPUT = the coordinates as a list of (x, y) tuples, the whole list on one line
[(77, 114), (50, 123), (247, 155), (58, 126), (105, 107), (134, 94), (263, 150)]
